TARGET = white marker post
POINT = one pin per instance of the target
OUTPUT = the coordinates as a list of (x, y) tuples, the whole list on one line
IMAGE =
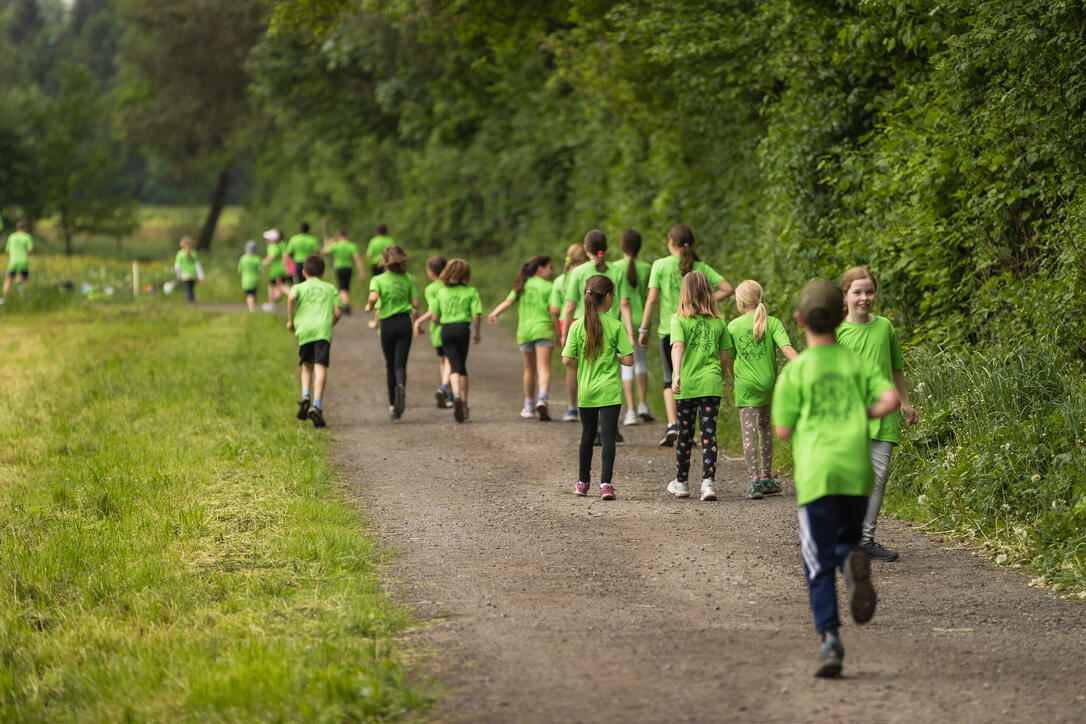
[(135, 278)]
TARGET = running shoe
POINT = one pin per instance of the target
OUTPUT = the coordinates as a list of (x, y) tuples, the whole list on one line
[(679, 490), (542, 411), (317, 416), (630, 418), (607, 492), (644, 413), (346, 308), (399, 401), (754, 492), (618, 436), (708, 492), (770, 486), (303, 408), (830, 658), (581, 488), (571, 415), (876, 552), (393, 416), (459, 410), (670, 435), (527, 413), (442, 401), (861, 594)]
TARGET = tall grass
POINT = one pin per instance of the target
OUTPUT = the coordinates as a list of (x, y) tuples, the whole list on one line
[(174, 544)]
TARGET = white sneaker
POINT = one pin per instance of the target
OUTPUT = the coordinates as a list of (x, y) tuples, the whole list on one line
[(528, 413), (630, 419), (708, 492), (644, 413), (679, 490), (570, 416)]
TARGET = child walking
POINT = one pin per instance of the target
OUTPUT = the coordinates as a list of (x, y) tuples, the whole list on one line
[(535, 331), (249, 268), (755, 337), (575, 256), (699, 355), (596, 345), (278, 277), (459, 311), (636, 275), (344, 253), (188, 269), (312, 311), (873, 338), (299, 247), (823, 401), (398, 297), (434, 266), (665, 280), (19, 246)]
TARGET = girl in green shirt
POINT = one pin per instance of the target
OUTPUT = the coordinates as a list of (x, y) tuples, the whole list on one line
[(398, 297), (434, 266), (575, 256), (187, 266), (535, 331), (278, 278), (459, 311), (636, 275)]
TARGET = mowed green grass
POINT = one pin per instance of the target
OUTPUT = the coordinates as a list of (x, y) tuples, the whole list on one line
[(175, 545)]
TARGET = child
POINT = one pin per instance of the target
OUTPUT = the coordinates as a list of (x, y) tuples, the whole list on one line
[(375, 249), (187, 266), (344, 253), (249, 268), (459, 311), (699, 344), (826, 397), (398, 297), (595, 247), (636, 274), (575, 256), (312, 311), (873, 338), (665, 280), (299, 247), (278, 278), (19, 247), (755, 335), (596, 345), (535, 331), (434, 266)]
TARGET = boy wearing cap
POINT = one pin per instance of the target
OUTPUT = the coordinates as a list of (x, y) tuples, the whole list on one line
[(278, 277), (312, 311), (823, 400), (249, 268)]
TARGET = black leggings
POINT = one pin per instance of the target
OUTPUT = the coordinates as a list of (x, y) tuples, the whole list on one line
[(705, 408), (605, 419), (396, 335), (456, 338)]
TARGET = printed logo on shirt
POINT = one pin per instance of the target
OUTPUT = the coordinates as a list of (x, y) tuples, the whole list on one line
[(831, 398), (750, 348), (702, 337)]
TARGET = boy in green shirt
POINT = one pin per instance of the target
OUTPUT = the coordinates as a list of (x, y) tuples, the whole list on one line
[(376, 247), (344, 253), (249, 268), (19, 247), (312, 311), (824, 399), (299, 247)]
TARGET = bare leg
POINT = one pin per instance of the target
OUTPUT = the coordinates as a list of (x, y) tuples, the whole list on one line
[(529, 375), (627, 392), (464, 388), (571, 387), (344, 296), (7, 285), (454, 382), (320, 374), (543, 369), (307, 375), (446, 370), (643, 387), (669, 405)]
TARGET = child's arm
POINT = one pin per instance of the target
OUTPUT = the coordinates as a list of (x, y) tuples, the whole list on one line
[(371, 301), (292, 303), (727, 364), (414, 307), (626, 360), (723, 290), (554, 320), (567, 315), (887, 403), (911, 417), (476, 322), (570, 362), (676, 365), (784, 433), (420, 321), (336, 314), (789, 352), (627, 318), (646, 316), (492, 318), (361, 267)]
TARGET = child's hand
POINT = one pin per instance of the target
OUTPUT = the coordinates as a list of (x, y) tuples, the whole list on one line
[(290, 325), (643, 340), (372, 324), (911, 417), (418, 330), (492, 318), (675, 385), (475, 338)]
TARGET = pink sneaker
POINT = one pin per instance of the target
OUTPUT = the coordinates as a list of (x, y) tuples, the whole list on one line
[(581, 489), (607, 492)]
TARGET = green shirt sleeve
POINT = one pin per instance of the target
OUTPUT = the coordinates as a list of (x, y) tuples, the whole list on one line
[(677, 332), (622, 341), (780, 335), (896, 362), (785, 410), (476, 302), (573, 341), (724, 344), (654, 282)]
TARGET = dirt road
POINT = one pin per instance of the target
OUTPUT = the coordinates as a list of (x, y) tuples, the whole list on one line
[(546, 607)]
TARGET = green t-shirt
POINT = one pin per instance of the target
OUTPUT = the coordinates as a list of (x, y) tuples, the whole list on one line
[(577, 278), (276, 267), (666, 277), (876, 341), (18, 247), (599, 383), (394, 293), (430, 292), (636, 296), (376, 247), (755, 363), (343, 253), (457, 304), (703, 338), (302, 245), (533, 316), (249, 268), (558, 293), (187, 262), (823, 396), (314, 311)]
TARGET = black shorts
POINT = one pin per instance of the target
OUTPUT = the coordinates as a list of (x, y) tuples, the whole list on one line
[(24, 273), (250, 292), (317, 352), (343, 278), (440, 349), (377, 269)]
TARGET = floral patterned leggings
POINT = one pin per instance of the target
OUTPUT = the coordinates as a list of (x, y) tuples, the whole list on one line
[(757, 437), (705, 408)]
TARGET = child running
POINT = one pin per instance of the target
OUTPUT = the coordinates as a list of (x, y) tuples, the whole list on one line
[(278, 278), (755, 336), (459, 311), (636, 273), (434, 266), (873, 338), (187, 267), (299, 247), (19, 247), (398, 297), (249, 268), (375, 249), (665, 280), (344, 253), (699, 355), (596, 345), (824, 400), (312, 311), (575, 256), (535, 331)]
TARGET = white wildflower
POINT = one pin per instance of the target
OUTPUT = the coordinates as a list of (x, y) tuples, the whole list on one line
[(1020, 532), (1035, 478), (1007, 446), (1001, 559), (922, 500)]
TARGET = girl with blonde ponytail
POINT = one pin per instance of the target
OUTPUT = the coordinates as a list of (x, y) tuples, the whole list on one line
[(755, 337), (575, 257)]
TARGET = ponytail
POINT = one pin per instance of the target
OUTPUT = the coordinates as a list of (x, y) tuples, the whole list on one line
[(748, 296), (596, 289), (760, 319), (528, 270), (575, 256), (595, 244), (682, 236), (631, 244)]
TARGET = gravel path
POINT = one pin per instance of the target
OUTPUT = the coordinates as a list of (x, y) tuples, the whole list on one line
[(539, 606)]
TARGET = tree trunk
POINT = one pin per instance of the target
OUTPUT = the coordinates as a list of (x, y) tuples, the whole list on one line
[(218, 200)]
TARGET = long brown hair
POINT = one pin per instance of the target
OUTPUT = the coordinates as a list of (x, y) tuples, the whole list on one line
[(456, 273), (631, 245), (748, 296), (528, 270), (595, 245), (575, 256), (595, 290), (696, 297), (682, 236), (395, 259)]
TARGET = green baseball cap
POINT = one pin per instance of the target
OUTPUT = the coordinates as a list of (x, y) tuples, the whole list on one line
[(822, 306)]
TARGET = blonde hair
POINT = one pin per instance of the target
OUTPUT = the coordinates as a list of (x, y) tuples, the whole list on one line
[(696, 297), (456, 273), (575, 256), (748, 296), (186, 244)]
